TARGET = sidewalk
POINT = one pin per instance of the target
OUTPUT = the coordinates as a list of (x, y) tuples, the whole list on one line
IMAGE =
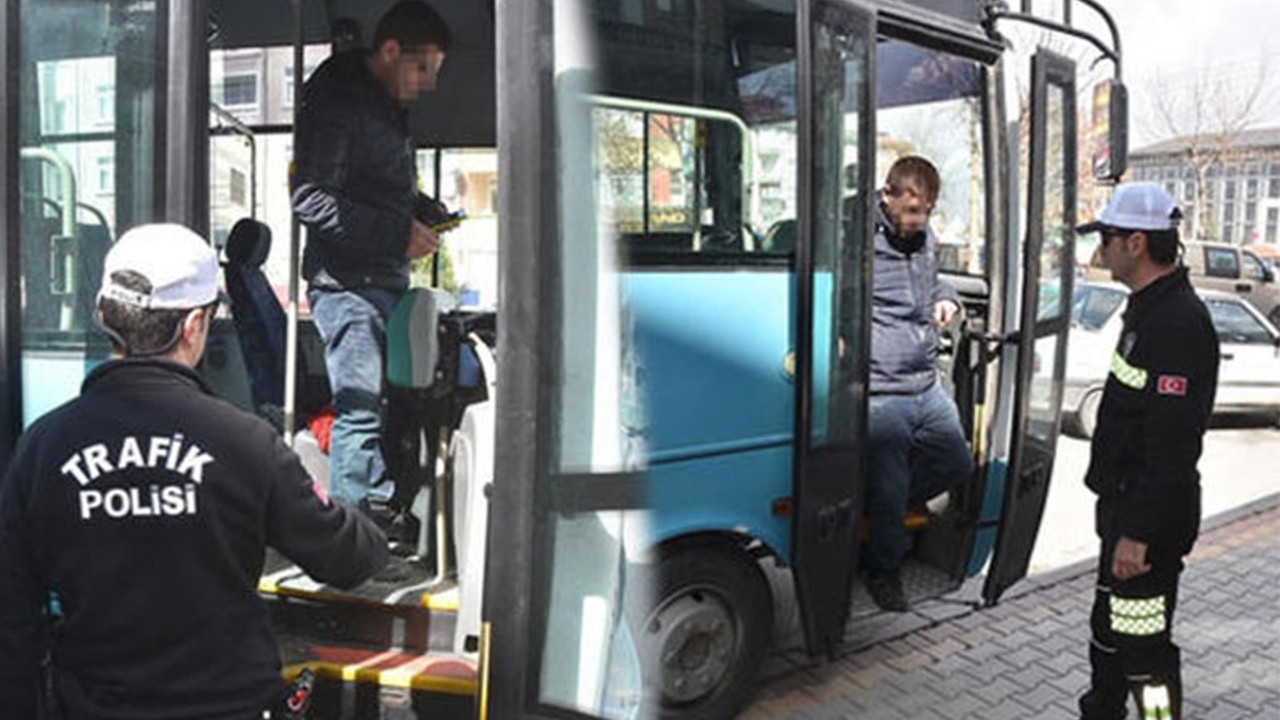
[(1027, 657)]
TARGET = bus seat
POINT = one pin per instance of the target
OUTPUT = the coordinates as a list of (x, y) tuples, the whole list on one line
[(259, 318), (413, 342), (781, 237)]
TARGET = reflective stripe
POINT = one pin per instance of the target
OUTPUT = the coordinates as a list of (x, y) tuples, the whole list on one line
[(1134, 377), (1137, 616), (1155, 703)]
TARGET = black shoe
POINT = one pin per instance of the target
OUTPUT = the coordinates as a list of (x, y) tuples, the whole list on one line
[(398, 524), (885, 589)]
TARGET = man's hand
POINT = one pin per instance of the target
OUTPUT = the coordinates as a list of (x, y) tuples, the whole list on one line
[(422, 241), (1130, 559), (944, 311)]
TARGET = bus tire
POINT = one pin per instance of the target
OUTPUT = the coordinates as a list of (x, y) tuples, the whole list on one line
[(704, 633)]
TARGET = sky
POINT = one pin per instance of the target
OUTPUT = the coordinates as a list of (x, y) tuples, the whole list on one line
[(1229, 40)]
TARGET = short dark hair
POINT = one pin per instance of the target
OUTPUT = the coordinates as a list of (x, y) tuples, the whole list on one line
[(915, 174), (1163, 245), (413, 24), (136, 331)]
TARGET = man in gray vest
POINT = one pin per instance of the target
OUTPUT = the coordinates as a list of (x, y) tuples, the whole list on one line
[(917, 449)]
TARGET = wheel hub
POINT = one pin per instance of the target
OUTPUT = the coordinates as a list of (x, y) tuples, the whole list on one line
[(691, 640)]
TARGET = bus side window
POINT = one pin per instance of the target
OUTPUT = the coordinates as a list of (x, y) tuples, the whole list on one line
[(673, 184)]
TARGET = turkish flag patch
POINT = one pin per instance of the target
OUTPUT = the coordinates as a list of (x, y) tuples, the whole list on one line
[(319, 490), (1171, 385)]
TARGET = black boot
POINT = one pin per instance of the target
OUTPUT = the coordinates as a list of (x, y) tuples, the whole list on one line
[(885, 588)]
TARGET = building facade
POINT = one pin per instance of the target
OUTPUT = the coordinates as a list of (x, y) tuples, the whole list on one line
[(1238, 198)]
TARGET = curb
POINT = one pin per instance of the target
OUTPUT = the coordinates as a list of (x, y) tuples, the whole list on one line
[(1088, 565)]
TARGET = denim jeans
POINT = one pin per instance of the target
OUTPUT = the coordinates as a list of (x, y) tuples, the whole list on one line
[(917, 450), (353, 326)]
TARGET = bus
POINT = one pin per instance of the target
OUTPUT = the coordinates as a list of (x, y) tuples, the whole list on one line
[(627, 402)]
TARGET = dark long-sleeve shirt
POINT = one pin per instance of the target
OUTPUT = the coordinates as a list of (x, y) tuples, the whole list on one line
[(133, 526), (354, 178), (1154, 411)]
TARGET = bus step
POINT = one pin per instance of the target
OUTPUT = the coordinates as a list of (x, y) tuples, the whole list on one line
[(398, 685)]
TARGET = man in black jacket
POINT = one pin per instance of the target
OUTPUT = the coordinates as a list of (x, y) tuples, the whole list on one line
[(1151, 424), (917, 448), (355, 188), (134, 519)]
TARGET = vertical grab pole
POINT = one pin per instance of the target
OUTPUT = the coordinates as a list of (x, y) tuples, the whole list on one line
[(295, 243)]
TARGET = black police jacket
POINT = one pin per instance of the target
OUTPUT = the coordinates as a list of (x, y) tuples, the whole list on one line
[(1151, 422), (354, 181), (137, 516)]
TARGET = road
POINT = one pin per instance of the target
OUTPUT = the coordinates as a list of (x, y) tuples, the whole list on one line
[(1241, 463)]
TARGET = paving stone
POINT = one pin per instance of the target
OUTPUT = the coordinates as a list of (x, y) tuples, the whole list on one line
[(1028, 658)]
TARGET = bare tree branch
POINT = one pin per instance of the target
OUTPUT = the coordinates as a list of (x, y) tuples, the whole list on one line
[(1204, 118)]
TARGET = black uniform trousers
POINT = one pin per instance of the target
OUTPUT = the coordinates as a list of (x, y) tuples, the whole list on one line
[(1132, 651)]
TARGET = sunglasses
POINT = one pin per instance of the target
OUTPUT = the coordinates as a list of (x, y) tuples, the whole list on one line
[(1114, 233)]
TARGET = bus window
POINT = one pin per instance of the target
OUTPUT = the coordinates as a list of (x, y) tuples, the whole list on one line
[(86, 136), (669, 180), (467, 180), (250, 148), (930, 104)]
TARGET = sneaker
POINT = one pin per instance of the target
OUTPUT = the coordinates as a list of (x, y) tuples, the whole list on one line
[(885, 588)]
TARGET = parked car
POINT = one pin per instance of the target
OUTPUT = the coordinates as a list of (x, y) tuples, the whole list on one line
[(1248, 377), (1239, 271)]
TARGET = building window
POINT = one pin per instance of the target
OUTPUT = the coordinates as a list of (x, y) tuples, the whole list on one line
[(1250, 211), (105, 104), (106, 174), (288, 82), (238, 90), (1251, 189), (1273, 224), (238, 189), (1229, 190), (1273, 188)]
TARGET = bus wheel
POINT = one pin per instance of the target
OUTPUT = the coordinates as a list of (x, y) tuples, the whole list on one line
[(707, 632)]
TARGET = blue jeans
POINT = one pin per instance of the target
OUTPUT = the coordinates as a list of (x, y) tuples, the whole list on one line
[(917, 450), (353, 326)]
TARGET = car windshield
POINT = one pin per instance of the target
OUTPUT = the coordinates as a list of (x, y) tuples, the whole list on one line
[(1093, 305), (1235, 324)]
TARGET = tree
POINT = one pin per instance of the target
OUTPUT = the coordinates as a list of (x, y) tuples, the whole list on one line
[(1205, 117)]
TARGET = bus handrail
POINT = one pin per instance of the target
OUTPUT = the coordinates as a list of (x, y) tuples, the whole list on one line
[(999, 10), (67, 184), (698, 113), (239, 127)]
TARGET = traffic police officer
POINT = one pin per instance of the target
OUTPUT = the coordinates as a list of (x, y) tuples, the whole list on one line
[(1151, 425), (134, 519)]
